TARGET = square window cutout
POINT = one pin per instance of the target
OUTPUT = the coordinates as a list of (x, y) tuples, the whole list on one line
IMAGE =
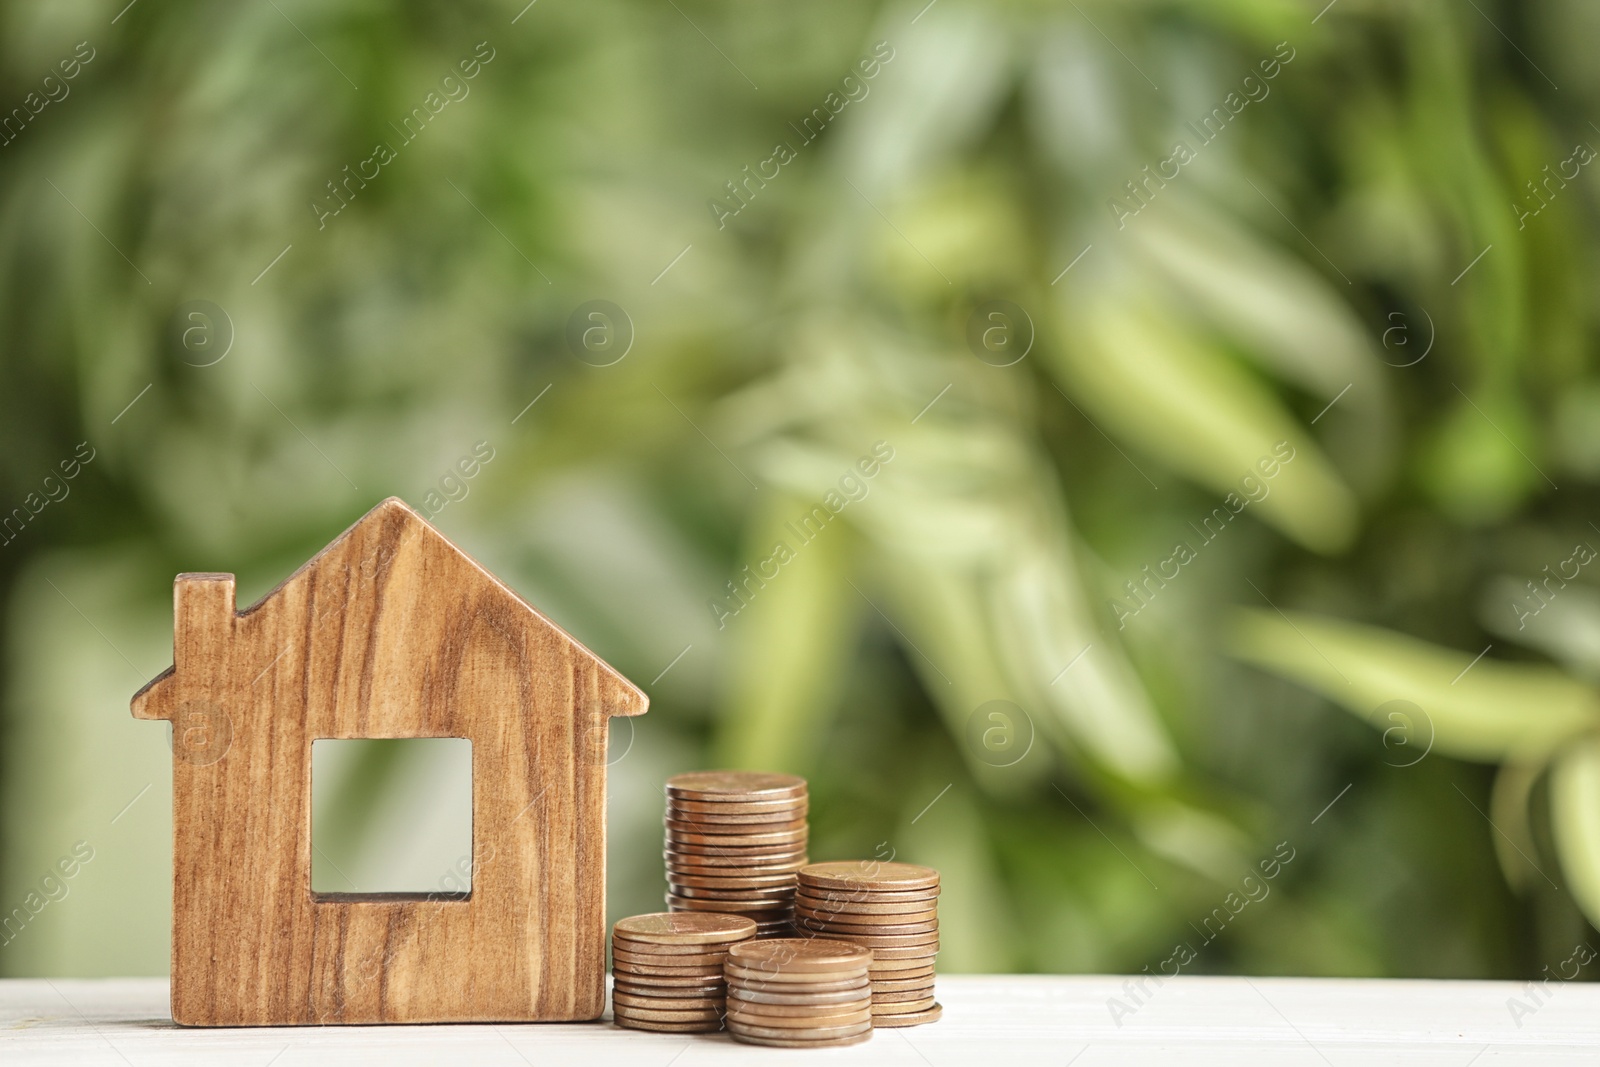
[(391, 815)]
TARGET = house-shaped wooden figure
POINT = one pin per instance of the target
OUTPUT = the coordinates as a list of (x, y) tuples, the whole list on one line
[(390, 631)]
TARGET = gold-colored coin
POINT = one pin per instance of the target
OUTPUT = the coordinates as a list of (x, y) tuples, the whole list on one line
[(751, 984), (749, 905), (858, 923), (744, 1029), (777, 981), (714, 855), (792, 808), (631, 1000), (930, 1015), (865, 1035), (915, 952), (798, 954), (667, 985), (645, 986), (700, 897), (675, 928), (768, 874), (691, 825), (881, 979), (908, 1007), (735, 785), (655, 951), (741, 880), (901, 968), (744, 842), (718, 817), (732, 877), (707, 998), (646, 972), (808, 1010), (870, 874), (864, 895), (877, 941), (864, 919), (680, 852), (840, 929), (649, 1015), (748, 892), (856, 994), (736, 836), (798, 1022), (835, 906), (708, 1027), (728, 875), (716, 862), (901, 985), (622, 954), (903, 996), (806, 927), (711, 954), (874, 923)]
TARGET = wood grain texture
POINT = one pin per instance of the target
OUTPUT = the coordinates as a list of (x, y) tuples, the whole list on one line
[(391, 631)]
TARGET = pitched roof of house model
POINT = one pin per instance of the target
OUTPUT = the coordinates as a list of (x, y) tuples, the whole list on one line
[(391, 522)]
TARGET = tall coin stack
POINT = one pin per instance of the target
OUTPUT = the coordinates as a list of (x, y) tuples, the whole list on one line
[(890, 908), (734, 842), (667, 969), (799, 993)]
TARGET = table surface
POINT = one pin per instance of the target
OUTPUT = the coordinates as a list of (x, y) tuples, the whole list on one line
[(999, 1020)]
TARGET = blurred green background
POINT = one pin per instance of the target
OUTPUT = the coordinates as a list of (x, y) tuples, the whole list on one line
[(1320, 386)]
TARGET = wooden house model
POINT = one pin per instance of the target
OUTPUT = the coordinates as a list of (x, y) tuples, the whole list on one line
[(390, 631)]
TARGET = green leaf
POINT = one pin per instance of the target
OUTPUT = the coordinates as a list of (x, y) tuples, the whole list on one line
[(1486, 710), (1143, 370), (1575, 808), (1514, 845), (792, 637), (1282, 312)]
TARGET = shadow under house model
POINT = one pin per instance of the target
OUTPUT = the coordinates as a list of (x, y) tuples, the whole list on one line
[(390, 631)]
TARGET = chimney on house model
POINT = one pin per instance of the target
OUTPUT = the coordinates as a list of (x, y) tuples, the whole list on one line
[(204, 610)]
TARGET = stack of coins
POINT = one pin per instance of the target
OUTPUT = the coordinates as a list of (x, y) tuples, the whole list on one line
[(667, 969), (734, 842), (890, 908), (799, 992)]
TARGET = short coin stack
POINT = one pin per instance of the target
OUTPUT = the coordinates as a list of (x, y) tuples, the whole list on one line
[(734, 842), (799, 992), (667, 969), (890, 908)]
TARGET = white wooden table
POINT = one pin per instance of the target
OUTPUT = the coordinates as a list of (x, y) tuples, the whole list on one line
[(994, 1021)]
